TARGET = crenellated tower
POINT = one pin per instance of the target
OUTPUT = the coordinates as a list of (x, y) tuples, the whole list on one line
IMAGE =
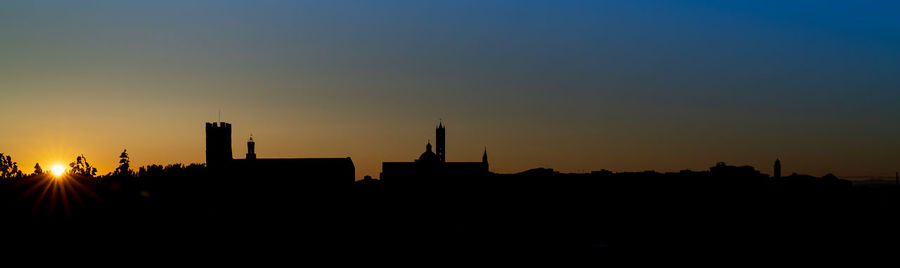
[(218, 144)]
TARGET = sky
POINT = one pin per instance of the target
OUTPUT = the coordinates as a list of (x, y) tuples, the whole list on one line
[(571, 85)]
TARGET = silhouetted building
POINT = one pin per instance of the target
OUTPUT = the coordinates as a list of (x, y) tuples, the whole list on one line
[(433, 165), (777, 168), (440, 137), (319, 171), (251, 149), (218, 144), (428, 157)]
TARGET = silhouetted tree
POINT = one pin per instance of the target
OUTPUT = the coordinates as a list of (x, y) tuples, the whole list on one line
[(37, 169), (82, 167), (124, 162), (8, 168)]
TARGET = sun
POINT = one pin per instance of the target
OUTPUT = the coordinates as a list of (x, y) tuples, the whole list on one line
[(57, 170)]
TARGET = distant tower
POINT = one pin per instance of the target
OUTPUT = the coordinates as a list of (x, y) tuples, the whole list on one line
[(777, 168), (251, 148), (441, 144), (218, 144), (484, 159)]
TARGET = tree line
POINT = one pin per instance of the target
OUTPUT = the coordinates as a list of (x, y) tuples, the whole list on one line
[(9, 169)]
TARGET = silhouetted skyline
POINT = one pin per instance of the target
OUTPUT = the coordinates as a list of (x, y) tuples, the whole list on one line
[(575, 86)]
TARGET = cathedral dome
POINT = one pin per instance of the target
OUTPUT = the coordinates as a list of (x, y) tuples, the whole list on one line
[(428, 156)]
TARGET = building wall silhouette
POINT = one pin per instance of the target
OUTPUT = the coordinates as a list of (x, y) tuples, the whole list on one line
[(317, 171)]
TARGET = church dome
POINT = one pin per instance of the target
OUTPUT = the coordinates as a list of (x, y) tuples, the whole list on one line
[(428, 156)]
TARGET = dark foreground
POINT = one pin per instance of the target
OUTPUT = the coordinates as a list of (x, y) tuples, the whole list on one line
[(602, 214)]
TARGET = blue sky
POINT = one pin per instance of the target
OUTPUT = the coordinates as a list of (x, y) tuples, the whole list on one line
[(571, 85)]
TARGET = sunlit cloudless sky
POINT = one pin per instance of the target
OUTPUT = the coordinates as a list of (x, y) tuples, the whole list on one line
[(570, 85)]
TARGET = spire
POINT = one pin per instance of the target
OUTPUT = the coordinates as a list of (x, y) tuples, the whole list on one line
[(484, 156), (777, 169)]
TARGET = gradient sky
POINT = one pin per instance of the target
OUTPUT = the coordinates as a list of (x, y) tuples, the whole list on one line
[(570, 85)]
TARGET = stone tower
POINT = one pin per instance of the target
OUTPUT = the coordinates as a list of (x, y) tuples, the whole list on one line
[(218, 144)]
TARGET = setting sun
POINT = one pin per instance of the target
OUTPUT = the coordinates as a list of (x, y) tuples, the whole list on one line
[(57, 170)]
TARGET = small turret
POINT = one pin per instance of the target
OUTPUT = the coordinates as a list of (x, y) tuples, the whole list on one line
[(251, 148)]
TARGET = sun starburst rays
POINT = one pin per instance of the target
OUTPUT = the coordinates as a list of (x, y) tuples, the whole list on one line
[(54, 191)]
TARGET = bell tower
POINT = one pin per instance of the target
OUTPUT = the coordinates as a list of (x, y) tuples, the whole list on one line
[(441, 145)]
